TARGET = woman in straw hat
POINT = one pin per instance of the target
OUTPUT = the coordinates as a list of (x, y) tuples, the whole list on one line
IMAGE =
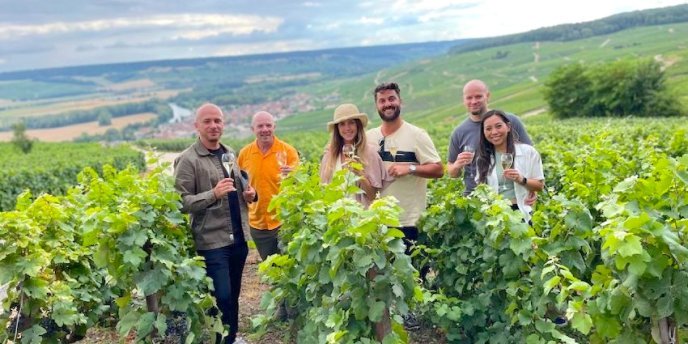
[(348, 143)]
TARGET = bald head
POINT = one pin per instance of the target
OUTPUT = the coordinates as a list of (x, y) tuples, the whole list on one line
[(207, 108), (475, 85), (261, 116), (475, 97), (210, 124), (263, 126)]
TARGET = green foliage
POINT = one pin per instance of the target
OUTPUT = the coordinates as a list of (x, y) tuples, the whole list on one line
[(567, 91), (167, 145), (111, 241), (104, 119), (643, 246), (19, 138), (606, 250), (342, 265), (53, 168), (622, 88), (488, 270)]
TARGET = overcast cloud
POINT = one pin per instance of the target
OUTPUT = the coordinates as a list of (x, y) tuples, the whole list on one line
[(40, 34)]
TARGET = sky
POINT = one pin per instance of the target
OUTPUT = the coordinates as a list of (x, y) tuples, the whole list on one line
[(54, 33)]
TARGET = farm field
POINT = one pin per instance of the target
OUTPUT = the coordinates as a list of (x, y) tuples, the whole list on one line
[(40, 109), (70, 132)]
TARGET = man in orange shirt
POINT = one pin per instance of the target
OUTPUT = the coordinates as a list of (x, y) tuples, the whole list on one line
[(261, 159)]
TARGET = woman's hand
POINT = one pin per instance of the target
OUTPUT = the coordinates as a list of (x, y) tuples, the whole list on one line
[(532, 185), (513, 175), (355, 166)]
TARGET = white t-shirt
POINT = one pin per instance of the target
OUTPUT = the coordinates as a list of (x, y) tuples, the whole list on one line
[(528, 162), (414, 146)]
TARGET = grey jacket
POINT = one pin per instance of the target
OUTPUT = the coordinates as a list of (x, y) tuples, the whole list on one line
[(196, 172)]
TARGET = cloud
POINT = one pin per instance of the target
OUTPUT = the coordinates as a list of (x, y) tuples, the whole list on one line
[(311, 4), (373, 21), (188, 26), (261, 47), (39, 33)]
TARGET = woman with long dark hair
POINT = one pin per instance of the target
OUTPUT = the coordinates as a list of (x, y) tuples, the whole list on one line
[(348, 143), (511, 168)]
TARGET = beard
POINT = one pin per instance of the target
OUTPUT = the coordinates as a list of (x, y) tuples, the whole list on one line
[(482, 110), (393, 117)]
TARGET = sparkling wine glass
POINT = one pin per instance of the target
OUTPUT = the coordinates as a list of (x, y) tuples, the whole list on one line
[(281, 160), (506, 160), (393, 149), (228, 160), (349, 151), (469, 149)]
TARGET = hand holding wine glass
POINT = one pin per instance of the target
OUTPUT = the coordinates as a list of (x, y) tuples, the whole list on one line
[(506, 160), (393, 149), (465, 158), (349, 152), (281, 157)]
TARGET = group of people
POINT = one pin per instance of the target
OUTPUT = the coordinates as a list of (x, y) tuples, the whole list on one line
[(397, 158)]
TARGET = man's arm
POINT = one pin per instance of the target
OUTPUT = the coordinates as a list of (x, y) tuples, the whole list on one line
[(430, 170), (427, 170), (430, 162), (454, 168), (185, 184)]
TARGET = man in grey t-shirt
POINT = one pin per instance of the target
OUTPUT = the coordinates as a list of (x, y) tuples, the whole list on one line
[(475, 97)]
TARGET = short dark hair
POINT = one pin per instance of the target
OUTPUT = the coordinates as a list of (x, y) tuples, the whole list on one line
[(387, 86)]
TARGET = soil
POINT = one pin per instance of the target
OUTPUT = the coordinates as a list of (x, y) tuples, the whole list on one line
[(249, 305)]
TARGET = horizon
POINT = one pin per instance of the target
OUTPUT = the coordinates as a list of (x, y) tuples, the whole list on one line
[(41, 38)]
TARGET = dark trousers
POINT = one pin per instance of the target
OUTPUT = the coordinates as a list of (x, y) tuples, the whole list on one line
[(410, 238), (266, 241), (224, 266)]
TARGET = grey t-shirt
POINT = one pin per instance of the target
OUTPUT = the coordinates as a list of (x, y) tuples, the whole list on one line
[(468, 133)]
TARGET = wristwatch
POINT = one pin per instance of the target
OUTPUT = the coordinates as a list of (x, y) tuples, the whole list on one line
[(412, 169), (524, 181)]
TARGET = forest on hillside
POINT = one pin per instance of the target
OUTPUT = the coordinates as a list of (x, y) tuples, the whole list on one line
[(570, 32)]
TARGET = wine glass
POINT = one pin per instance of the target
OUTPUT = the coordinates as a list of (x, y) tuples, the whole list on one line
[(281, 157), (349, 151), (506, 160), (228, 160), (393, 149), (469, 149)]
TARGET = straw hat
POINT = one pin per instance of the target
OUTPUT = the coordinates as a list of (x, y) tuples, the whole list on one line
[(344, 112)]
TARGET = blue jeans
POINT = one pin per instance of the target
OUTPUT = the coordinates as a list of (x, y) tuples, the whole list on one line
[(224, 266)]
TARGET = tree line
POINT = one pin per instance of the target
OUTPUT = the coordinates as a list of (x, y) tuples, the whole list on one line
[(100, 114), (570, 32)]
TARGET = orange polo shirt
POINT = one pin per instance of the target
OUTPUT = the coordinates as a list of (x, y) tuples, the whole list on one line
[(264, 176)]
